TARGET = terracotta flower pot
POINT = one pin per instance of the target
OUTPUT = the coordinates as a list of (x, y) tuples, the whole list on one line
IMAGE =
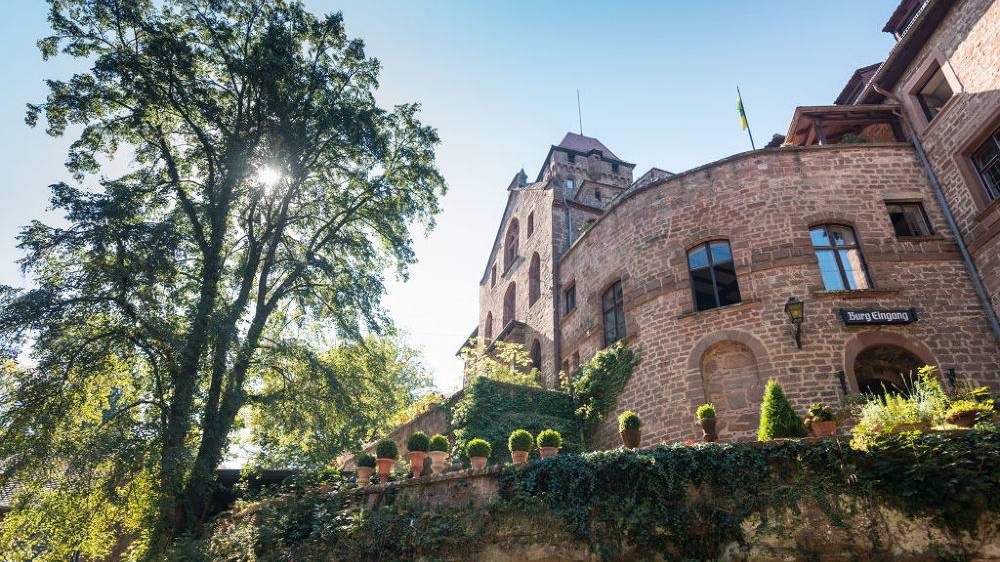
[(519, 457), (439, 460), (824, 428), (709, 430), (547, 452), (364, 475), (630, 438), (963, 419), (384, 468), (417, 462), (478, 463)]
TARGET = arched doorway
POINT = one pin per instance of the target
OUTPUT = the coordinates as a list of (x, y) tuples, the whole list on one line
[(886, 369)]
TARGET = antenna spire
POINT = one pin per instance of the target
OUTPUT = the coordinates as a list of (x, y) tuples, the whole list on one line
[(579, 111)]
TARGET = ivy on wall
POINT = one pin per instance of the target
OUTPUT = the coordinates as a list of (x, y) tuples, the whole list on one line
[(640, 497), (596, 385), (491, 410)]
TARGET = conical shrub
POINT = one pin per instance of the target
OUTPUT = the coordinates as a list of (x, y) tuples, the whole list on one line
[(777, 417)]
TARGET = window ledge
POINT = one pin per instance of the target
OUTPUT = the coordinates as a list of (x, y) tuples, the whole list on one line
[(928, 238), (855, 294), (720, 309), (988, 210), (568, 315)]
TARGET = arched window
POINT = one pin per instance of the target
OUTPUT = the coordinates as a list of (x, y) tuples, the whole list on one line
[(510, 247), (613, 311), (531, 225), (713, 276), (534, 279), (536, 355), (493, 276), (839, 255), (488, 327), (509, 304)]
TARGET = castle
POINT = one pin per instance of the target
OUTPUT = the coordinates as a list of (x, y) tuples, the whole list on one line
[(863, 246)]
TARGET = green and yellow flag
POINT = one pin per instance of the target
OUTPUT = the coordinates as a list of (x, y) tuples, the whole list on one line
[(741, 111)]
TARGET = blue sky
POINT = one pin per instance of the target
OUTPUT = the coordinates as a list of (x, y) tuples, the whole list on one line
[(499, 81)]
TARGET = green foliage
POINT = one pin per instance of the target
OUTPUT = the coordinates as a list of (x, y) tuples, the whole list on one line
[(492, 410), (520, 440), (550, 438), (364, 460), (386, 449), (705, 411), (960, 406), (440, 443), (418, 442), (499, 360), (777, 417), (596, 386), (925, 404), (478, 448), (851, 138), (629, 420), (421, 405), (265, 198), (671, 502), (819, 412)]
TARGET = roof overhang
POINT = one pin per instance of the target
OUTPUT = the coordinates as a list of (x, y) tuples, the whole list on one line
[(835, 120)]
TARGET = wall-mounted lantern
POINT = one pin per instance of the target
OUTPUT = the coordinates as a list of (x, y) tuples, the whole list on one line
[(795, 310)]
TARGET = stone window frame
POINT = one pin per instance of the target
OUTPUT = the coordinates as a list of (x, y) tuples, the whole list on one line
[(911, 104), (536, 354), (512, 241), (919, 203), (534, 279), (857, 245), (569, 290), (509, 304), (530, 228), (963, 161)]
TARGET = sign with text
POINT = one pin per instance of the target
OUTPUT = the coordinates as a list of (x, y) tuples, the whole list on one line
[(869, 316)]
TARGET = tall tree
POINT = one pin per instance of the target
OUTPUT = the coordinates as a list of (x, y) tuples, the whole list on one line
[(267, 196)]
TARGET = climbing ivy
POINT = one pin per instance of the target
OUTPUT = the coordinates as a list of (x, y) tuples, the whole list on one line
[(491, 410), (595, 386)]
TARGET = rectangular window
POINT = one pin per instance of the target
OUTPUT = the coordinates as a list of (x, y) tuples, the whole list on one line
[(986, 159), (840, 261), (934, 94), (909, 219), (613, 309), (569, 299), (713, 275)]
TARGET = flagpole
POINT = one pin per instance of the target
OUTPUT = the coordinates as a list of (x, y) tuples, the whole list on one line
[(745, 118)]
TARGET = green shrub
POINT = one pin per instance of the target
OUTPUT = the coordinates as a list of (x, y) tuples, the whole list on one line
[(851, 138), (925, 404), (960, 406), (629, 420), (595, 386), (819, 412), (550, 438), (418, 442), (440, 443), (386, 449), (520, 440), (705, 412), (777, 417), (479, 448), (364, 460)]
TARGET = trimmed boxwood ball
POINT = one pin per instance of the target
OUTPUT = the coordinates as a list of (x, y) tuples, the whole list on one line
[(705, 411), (479, 448), (365, 460), (386, 449), (629, 420), (777, 417), (550, 438), (440, 443), (418, 442), (520, 440)]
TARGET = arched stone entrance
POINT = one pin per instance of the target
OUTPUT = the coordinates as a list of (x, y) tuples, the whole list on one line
[(880, 362)]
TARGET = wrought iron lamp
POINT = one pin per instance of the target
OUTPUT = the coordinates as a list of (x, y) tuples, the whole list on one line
[(795, 310)]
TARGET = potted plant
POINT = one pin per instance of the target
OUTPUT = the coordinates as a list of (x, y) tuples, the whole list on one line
[(438, 452), (386, 453), (520, 443), (549, 442), (629, 425), (706, 417), (777, 417), (365, 464), (479, 451), (964, 413), (417, 445), (821, 421)]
